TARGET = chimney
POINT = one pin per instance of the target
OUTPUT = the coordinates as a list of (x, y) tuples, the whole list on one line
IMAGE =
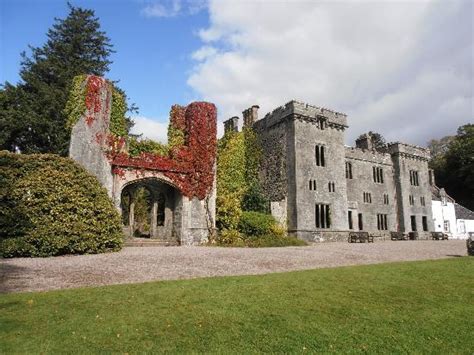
[(431, 177), (250, 115), (365, 142), (231, 125)]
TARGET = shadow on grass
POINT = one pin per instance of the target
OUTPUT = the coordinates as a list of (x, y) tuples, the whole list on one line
[(9, 278)]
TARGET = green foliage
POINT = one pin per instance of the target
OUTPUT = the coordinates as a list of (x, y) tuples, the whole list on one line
[(454, 165), (34, 119), (142, 212), (176, 137), (256, 224), (76, 103), (118, 121), (139, 146), (232, 238), (231, 183), (51, 206)]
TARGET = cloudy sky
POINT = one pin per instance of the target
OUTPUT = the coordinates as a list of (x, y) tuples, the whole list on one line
[(402, 68)]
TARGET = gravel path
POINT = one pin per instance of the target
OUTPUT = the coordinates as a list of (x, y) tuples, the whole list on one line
[(133, 265)]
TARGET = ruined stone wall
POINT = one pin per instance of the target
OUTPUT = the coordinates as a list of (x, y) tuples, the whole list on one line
[(362, 162)]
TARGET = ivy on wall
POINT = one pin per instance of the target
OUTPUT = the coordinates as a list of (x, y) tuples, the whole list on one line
[(238, 183)]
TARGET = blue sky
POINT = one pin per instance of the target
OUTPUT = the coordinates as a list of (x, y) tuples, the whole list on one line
[(153, 53), (400, 68)]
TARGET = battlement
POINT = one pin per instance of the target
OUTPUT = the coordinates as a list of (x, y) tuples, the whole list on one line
[(373, 156), (306, 110), (408, 150)]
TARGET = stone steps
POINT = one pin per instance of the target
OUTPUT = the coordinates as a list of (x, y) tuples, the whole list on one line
[(146, 242)]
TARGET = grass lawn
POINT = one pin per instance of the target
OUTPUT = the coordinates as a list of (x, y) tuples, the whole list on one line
[(401, 307)]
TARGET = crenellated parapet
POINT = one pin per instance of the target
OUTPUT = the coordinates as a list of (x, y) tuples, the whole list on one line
[(320, 116), (408, 151)]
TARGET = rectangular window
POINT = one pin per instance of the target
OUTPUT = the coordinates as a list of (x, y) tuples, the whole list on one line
[(382, 222), (424, 222), (367, 197), (377, 174), (422, 200), (447, 229), (320, 155), (349, 219), (348, 170), (411, 200), (385, 199), (414, 178), (413, 223), (462, 227), (331, 187), (312, 185), (323, 216), (360, 221)]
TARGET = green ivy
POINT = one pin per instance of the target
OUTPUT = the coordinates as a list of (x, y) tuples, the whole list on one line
[(176, 137), (118, 123), (51, 206), (76, 104), (139, 146)]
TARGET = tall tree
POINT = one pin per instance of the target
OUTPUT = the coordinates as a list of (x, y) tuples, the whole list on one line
[(454, 168), (31, 116)]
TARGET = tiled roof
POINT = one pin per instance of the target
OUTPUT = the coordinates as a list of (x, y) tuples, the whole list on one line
[(462, 212)]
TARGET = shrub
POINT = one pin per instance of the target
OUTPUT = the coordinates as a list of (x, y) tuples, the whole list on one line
[(256, 224), (51, 206), (231, 238), (257, 230)]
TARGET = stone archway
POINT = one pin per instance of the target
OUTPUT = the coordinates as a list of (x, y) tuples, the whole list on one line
[(157, 204)]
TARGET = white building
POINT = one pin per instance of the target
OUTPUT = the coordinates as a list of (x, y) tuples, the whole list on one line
[(450, 217)]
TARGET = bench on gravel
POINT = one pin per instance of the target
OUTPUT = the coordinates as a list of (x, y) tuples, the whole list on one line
[(439, 236), (360, 237), (398, 236)]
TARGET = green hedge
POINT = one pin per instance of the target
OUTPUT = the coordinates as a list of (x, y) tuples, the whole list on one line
[(51, 206), (256, 230)]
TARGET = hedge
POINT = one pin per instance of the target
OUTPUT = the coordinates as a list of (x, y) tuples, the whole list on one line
[(49, 206)]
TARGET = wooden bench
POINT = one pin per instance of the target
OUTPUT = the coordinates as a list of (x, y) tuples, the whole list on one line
[(439, 236), (360, 237), (413, 235), (398, 236)]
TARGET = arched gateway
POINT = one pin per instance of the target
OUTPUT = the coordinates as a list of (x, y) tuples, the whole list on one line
[(178, 187)]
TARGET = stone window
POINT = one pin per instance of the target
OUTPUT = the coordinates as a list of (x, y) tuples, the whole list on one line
[(377, 174), (413, 223), (382, 222), (422, 200), (323, 216), (411, 200), (361, 221), (349, 219), (312, 185), (367, 197), (385, 199), (320, 155), (414, 181), (348, 170), (331, 187), (424, 222)]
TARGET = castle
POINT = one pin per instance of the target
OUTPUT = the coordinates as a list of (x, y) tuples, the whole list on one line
[(321, 189)]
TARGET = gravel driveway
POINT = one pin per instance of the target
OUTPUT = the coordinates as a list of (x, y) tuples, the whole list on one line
[(133, 265)]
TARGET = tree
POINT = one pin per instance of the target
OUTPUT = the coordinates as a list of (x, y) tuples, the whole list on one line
[(32, 117), (378, 141), (454, 167)]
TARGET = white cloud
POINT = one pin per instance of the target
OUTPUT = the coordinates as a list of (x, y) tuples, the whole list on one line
[(403, 68), (172, 8), (150, 129)]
